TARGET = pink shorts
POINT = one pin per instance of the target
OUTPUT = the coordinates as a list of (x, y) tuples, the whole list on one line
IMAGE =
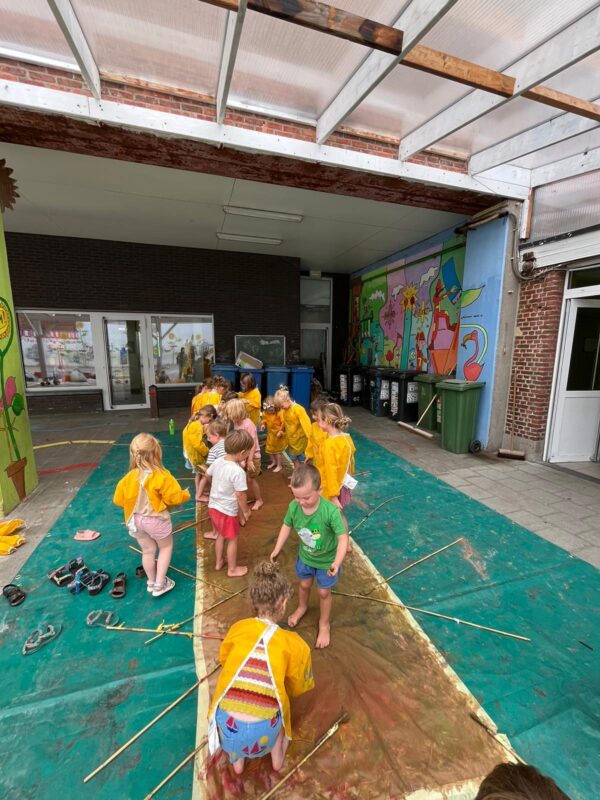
[(345, 496), (226, 526), (154, 527)]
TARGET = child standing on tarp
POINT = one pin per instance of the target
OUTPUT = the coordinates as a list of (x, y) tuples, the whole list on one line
[(195, 446), (276, 443), (147, 493), (296, 425), (234, 411), (336, 458), (250, 395), (323, 542), (205, 396), (263, 667), (317, 434)]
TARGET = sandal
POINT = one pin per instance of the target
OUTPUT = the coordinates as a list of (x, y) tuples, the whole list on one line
[(119, 586), (101, 618), (86, 536), (140, 572), (80, 581), (97, 582), (75, 564), (14, 594), (61, 576), (38, 638)]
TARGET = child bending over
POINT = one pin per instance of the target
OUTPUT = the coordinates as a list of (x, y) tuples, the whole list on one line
[(323, 542), (263, 667), (147, 493), (250, 395), (296, 425), (227, 503), (205, 396), (235, 412), (276, 444)]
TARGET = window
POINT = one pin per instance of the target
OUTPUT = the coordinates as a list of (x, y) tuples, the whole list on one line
[(315, 300), (57, 349), (181, 347)]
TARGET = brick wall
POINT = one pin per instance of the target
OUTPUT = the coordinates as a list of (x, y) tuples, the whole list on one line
[(538, 319), (246, 292), (199, 106)]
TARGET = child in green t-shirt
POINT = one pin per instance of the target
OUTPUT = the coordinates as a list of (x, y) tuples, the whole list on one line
[(323, 545)]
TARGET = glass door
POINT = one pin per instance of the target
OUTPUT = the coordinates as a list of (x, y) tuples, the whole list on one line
[(126, 361), (577, 419), (315, 351)]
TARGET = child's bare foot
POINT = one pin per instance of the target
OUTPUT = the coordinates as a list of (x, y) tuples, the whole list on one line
[(237, 572), (278, 469), (295, 618), (210, 535), (323, 637), (202, 498), (219, 565), (270, 466), (258, 504), (238, 766)]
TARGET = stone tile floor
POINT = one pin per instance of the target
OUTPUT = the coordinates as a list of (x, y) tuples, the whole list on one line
[(559, 505)]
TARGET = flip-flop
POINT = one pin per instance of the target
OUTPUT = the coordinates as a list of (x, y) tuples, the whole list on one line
[(14, 594), (39, 637), (98, 582), (101, 618), (119, 590), (86, 535), (81, 579)]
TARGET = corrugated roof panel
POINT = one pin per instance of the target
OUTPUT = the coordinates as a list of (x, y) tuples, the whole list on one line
[(29, 26)]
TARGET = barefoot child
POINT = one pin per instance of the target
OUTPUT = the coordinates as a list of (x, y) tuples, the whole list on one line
[(216, 431), (235, 411), (276, 444), (263, 666), (296, 425), (317, 434), (323, 542), (147, 493), (195, 448), (336, 457), (227, 503), (250, 395)]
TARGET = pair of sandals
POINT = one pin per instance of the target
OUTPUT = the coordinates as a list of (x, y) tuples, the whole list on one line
[(92, 580), (40, 637), (63, 576)]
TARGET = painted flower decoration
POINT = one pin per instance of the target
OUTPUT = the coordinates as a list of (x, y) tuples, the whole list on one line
[(409, 298)]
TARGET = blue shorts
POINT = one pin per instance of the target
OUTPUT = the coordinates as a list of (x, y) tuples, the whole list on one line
[(300, 457), (324, 581), (241, 739)]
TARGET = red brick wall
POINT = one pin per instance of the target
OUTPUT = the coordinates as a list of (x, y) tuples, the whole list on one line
[(538, 319), (198, 106)]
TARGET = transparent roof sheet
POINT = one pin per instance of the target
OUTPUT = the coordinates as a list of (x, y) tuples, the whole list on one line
[(287, 67), (173, 43), (569, 205), (29, 26), (569, 147)]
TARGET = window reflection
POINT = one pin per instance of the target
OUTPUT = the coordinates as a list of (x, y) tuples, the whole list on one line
[(183, 348)]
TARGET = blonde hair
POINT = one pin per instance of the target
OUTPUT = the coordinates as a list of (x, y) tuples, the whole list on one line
[(218, 427), (145, 453), (332, 414), (282, 395), (205, 387), (268, 587), (269, 404), (235, 410), (238, 442)]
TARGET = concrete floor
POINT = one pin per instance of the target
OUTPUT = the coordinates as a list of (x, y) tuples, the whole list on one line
[(560, 506)]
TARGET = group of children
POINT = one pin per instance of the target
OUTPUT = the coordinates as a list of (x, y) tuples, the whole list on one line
[(262, 665)]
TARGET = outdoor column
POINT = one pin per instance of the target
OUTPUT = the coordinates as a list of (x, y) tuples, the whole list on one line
[(18, 476)]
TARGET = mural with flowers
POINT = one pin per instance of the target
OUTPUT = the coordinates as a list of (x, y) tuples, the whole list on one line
[(407, 314), (17, 467)]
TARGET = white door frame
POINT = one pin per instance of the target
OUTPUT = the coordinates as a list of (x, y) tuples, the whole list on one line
[(320, 326), (145, 356), (573, 300)]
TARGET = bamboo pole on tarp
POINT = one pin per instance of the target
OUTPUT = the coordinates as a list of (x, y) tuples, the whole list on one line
[(152, 722), (414, 564), (174, 772), (187, 574), (370, 513), (435, 614)]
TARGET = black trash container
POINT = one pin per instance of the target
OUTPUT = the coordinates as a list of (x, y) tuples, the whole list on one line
[(380, 394), (356, 386), (404, 396), (368, 387), (345, 385)]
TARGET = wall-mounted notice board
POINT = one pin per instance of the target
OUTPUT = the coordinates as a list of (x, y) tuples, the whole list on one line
[(270, 349)]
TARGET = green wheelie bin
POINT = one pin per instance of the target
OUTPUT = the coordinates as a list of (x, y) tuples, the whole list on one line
[(460, 400), (425, 393)]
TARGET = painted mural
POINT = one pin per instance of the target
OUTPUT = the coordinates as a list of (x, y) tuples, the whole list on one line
[(407, 315), (18, 475)]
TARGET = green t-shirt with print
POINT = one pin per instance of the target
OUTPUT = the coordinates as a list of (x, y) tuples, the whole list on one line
[(318, 532)]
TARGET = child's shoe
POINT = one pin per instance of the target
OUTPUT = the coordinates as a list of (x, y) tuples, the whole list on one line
[(150, 587), (163, 588)]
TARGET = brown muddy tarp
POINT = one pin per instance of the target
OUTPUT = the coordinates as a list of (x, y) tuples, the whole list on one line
[(410, 727)]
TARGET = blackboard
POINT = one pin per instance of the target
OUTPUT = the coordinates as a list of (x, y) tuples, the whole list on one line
[(270, 349)]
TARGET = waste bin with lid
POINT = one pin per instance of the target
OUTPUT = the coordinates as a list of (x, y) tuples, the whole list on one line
[(301, 378), (276, 377), (356, 386), (227, 371), (460, 400), (365, 395), (380, 394), (345, 385), (425, 393), (404, 396)]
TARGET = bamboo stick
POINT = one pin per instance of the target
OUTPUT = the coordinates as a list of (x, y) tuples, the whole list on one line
[(162, 631), (319, 743), (414, 564), (366, 517), (187, 574), (495, 736), (175, 771), (435, 614), (152, 722)]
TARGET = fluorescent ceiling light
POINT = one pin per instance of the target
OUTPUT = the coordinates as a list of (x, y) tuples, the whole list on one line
[(257, 212), (239, 237)]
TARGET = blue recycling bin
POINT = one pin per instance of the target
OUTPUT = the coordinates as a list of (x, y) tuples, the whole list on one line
[(301, 381), (227, 371), (276, 377), (257, 374)]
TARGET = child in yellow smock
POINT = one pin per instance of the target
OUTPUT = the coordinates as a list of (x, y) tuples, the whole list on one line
[(337, 457), (195, 446), (263, 667), (206, 396), (272, 421), (317, 434), (296, 425), (250, 395)]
